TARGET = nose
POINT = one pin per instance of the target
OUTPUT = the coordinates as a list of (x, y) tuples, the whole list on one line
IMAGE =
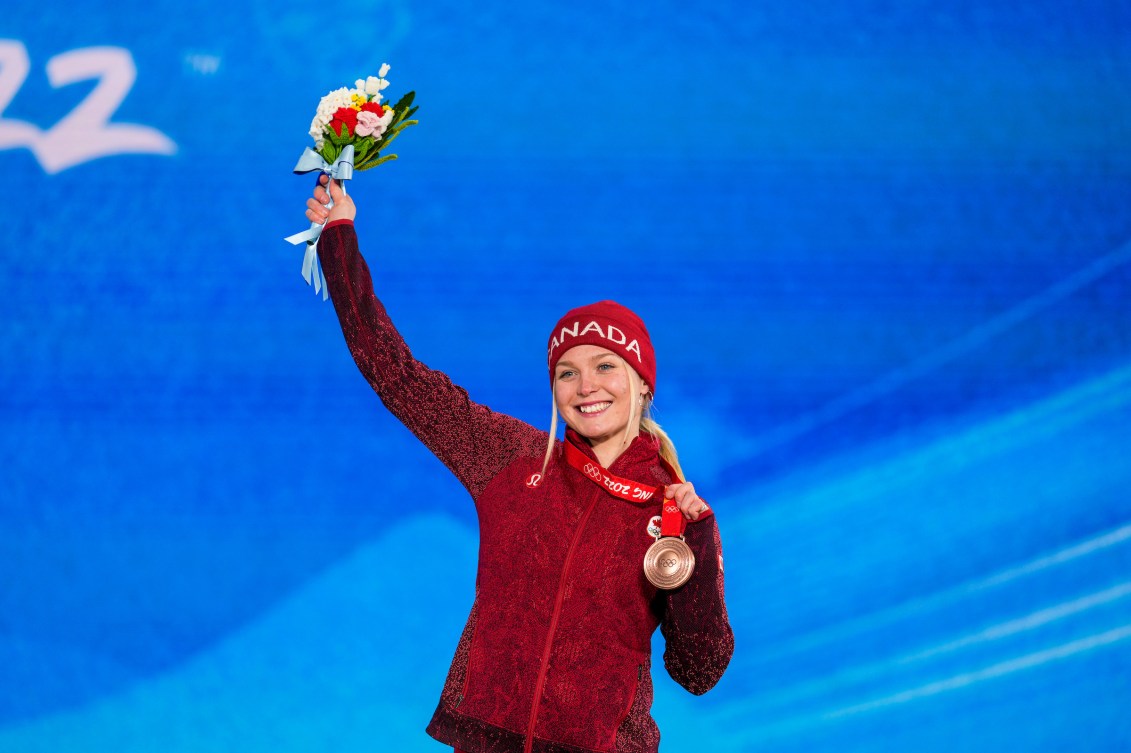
[(586, 384)]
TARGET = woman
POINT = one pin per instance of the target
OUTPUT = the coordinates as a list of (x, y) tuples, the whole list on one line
[(556, 654)]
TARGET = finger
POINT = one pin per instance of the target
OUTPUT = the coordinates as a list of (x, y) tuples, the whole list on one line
[(319, 191), (316, 210), (335, 190), (690, 507), (676, 492), (673, 489), (685, 500), (689, 503)]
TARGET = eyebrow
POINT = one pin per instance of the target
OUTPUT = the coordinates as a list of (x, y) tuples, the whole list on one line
[(596, 357)]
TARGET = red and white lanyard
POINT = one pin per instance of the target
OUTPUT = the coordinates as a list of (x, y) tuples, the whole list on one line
[(672, 523)]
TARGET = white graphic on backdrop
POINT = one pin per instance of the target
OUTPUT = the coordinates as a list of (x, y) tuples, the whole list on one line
[(86, 132), (202, 64)]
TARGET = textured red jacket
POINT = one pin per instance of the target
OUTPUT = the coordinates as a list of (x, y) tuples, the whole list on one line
[(556, 654)]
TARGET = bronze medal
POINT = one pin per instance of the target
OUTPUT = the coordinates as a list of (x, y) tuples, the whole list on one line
[(669, 563)]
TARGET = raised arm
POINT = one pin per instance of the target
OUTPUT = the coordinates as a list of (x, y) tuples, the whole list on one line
[(470, 439)]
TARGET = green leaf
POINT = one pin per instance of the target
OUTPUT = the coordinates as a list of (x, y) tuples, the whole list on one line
[(404, 108), (330, 151), (342, 137), (361, 149), (366, 159), (371, 164), (390, 136), (394, 130), (360, 163), (402, 114), (405, 101)]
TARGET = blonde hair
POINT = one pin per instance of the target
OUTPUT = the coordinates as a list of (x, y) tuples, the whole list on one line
[(648, 425), (667, 447)]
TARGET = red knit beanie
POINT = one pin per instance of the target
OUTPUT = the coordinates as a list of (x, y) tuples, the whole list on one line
[(610, 325)]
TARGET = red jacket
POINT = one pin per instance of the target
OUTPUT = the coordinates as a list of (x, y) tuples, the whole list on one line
[(556, 654)]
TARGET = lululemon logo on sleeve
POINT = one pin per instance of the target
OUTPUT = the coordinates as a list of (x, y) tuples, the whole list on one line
[(534, 480)]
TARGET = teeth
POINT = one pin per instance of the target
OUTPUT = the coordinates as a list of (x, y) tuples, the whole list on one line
[(593, 408)]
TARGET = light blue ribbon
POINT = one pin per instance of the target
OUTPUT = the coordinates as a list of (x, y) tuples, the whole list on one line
[(341, 171)]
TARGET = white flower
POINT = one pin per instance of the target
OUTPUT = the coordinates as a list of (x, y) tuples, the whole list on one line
[(384, 70), (327, 106), (372, 85), (335, 99)]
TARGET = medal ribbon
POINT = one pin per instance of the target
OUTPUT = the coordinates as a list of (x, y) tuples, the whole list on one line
[(671, 522)]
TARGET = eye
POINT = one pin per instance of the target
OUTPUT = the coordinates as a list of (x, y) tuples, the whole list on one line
[(606, 366), (564, 374)]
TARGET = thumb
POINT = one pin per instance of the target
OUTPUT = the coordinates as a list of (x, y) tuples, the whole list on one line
[(335, 190)]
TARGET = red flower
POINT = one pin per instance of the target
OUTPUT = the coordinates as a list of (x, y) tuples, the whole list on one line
[(345, 117), (373, 107)]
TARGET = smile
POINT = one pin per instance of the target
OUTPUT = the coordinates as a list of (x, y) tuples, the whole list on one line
[(593, 408)]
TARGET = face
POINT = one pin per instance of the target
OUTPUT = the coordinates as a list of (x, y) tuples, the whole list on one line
[(593, 389)]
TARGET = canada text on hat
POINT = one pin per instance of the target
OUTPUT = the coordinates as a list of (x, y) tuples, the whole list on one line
[(608, 332)]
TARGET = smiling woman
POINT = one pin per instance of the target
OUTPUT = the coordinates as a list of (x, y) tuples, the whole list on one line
[(598, 398), (556, 654)]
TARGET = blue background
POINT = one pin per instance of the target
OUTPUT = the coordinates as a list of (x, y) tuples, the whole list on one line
[(885, 253)]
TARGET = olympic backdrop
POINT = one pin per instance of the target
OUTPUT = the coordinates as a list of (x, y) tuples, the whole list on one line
[(885, 253)]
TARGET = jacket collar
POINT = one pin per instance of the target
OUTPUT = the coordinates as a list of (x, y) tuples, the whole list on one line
[(639, 461)]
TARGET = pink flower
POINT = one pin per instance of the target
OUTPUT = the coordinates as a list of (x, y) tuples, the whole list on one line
[(369, 123)]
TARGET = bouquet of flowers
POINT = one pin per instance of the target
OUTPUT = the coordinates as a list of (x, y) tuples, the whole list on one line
[(350, 130)]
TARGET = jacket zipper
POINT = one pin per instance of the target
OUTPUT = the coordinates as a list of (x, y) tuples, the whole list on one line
[(541, 682)]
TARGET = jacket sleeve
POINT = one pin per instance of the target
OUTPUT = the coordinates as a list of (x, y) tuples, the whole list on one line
[(473, 441), (697, 634)]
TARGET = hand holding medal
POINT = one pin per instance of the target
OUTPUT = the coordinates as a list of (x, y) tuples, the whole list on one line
[(669, 562)]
